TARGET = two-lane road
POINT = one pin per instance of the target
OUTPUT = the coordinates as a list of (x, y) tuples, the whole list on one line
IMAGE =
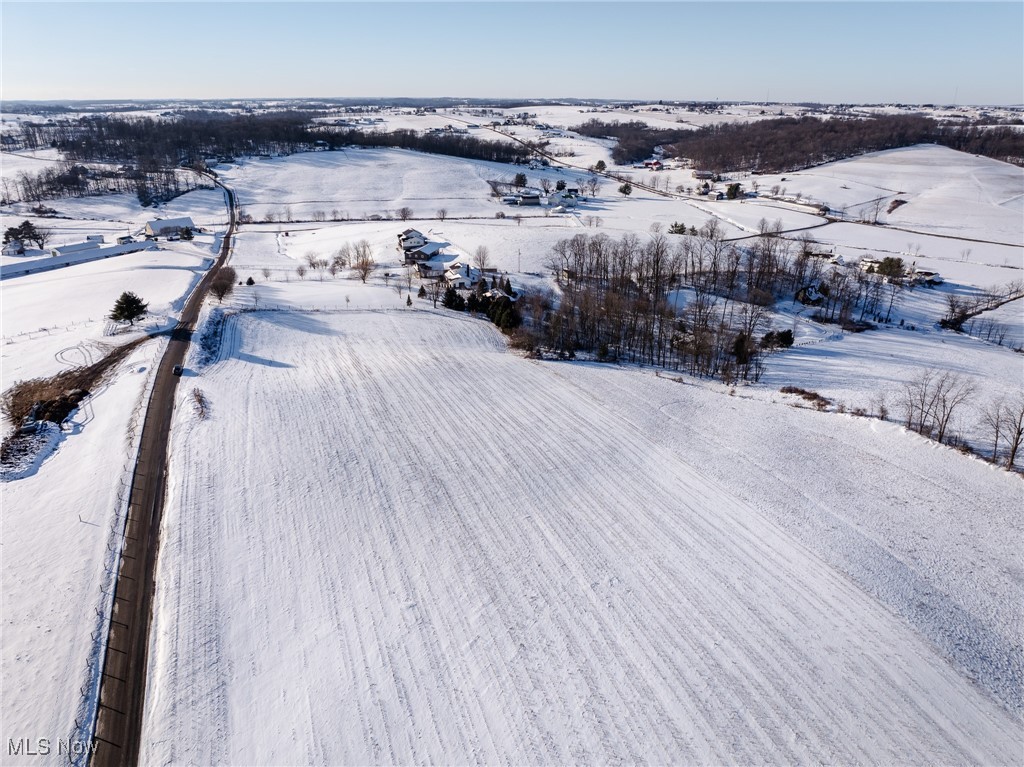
[(123, 682)]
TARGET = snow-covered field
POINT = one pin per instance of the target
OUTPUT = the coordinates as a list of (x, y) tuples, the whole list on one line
[(453, 554), (56, 318), (58, 511), (947, 192), (57, 541)]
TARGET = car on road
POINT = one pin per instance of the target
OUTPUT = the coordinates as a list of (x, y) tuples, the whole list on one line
[(177, 370)]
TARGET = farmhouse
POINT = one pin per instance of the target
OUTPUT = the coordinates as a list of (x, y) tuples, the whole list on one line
[(14, 248), (703, 175), (923, 276), (426, 252), (165, 226), (411, 239), (563, 198), (460, 275), (430, 270)]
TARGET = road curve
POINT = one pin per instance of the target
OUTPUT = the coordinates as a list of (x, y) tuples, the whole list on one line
[(118, 730)]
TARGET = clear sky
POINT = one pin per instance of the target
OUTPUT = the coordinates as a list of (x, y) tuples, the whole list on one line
[(911, 52)]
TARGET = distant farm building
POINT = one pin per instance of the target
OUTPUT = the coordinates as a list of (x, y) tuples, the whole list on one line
[(73, 249), (703, 175), (14, 248), (166, 226)]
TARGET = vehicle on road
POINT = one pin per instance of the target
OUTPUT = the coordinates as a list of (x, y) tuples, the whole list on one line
[(177, 370)]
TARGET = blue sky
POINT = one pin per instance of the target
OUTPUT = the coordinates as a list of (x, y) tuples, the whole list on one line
[(913, 52)]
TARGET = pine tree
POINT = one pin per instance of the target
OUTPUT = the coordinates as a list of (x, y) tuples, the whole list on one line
[(128, 307)]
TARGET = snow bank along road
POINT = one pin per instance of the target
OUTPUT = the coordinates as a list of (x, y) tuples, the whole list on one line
[(393, 541)]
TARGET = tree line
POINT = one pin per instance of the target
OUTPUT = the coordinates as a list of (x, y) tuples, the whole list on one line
[(153, 144), (695, 302), (791, 143), (72, 179)]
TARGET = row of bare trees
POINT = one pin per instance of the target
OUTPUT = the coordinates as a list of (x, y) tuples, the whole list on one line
[(930, 400), (69, 179), (618, 300)]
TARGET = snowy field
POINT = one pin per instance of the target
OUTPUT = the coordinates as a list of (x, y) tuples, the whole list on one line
[(56, 318), (358, 183), (56, 530), (59, 510), (947, 192), (444, 558), (456, 555)]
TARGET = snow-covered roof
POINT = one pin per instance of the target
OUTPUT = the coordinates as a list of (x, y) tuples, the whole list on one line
[(431, 248), (158, 225), (64, 250)]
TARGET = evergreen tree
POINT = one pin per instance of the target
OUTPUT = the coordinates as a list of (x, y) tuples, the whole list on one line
[(626, 189), (452, 300), (422, 292), (128, 307)]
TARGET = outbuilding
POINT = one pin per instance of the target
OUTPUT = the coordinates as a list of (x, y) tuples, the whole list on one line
[(165, 226)]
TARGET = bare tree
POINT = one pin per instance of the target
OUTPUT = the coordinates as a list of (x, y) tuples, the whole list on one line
[(482, 258), (224, 282), (545, 185), (435, 290), (442, 213), (301, 271), (342, 256), (994, 419), (266, 273), (404, 213), (953, 391), (1015, 428), (42, 236), (930, 398), (363, 261)]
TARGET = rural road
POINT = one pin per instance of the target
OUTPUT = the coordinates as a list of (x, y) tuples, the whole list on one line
[(123, 683)]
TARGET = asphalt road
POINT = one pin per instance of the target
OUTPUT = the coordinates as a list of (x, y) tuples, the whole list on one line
[(123, 684)]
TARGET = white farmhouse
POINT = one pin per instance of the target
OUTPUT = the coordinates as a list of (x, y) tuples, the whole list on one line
[(14, 248)]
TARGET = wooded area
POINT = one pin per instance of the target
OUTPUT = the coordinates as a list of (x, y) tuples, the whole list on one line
[(791, 143)]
